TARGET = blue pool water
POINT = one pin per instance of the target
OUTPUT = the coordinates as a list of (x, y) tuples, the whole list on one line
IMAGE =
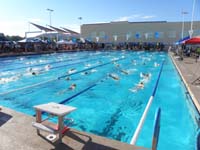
[(105, 107)]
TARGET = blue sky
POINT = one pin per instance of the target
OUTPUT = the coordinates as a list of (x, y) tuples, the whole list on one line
[(15, 14)]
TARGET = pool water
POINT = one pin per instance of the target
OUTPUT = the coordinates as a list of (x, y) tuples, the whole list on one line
[(105, 106)]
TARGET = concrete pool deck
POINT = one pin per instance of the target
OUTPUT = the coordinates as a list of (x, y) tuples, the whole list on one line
[(189, 69), (17, 133)]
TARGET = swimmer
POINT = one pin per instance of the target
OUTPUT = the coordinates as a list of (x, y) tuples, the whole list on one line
[(29, 69), (71, 71), (87, 65), (86, 73), (116, 64), (72, 86), (145, 75), (134, 62), (139, 86), (156, 64), (67, 78), (125, 72), (114, 76), (34, 73), (47, 67)]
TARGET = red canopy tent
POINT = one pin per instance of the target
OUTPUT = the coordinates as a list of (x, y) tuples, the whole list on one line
[(194, 40)]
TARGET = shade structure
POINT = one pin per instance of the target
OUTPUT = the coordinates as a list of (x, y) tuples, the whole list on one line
[(194, 40), (59, 30), (42, 27), (70, 31)]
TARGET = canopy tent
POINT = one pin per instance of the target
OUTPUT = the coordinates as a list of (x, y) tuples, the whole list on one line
[(194, 40), (42, 27), (66, 42), (182, 41), (31, 40)]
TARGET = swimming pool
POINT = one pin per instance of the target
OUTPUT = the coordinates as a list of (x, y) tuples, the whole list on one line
[(105, 106)]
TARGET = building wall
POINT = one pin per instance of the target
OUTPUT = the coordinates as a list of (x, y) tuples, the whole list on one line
[(157, 31)]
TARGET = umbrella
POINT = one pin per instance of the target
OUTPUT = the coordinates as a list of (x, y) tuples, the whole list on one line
[(194, 40), (181, 41)]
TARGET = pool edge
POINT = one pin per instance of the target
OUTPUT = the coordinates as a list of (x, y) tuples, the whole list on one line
[(194, 100)]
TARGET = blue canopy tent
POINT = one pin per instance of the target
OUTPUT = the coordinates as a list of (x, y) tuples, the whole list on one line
[(182, 41)]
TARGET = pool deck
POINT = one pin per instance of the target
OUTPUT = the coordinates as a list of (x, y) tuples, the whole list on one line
[(17, 133), (189, 69)]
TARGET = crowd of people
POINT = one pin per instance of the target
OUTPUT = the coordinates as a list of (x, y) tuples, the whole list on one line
[(39, 46)]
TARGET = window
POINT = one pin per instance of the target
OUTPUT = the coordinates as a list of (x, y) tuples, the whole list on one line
[(93, 34), (150, 35), (102, 34), (172, 34)]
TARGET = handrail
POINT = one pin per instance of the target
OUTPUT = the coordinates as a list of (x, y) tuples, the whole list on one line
[(197, 147), (139, 127), (156, 131)]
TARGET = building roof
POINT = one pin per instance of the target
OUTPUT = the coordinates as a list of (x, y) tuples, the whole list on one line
[(127, 22)]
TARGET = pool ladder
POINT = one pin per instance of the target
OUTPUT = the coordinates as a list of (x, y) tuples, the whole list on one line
[(156, 130)]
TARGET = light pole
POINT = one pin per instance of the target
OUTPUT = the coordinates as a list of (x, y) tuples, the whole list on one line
[(183, 13), (50, 11), (80, 18), (191, 29)]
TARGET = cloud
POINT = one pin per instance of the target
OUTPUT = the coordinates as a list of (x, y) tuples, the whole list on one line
[(148, 17), (13, 27), (135, 17), (35, 20)]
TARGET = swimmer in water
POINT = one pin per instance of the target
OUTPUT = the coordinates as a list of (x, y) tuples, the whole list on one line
[(71, 71), (72, 86), (47, 67), (156, 64), (115, 77), (139, 86), (125, 72), (67, 78)]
